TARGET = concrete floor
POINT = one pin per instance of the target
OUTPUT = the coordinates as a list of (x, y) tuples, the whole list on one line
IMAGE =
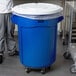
[(12, 66)]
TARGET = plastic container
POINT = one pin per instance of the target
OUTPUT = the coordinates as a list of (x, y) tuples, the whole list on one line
[(37, 33)]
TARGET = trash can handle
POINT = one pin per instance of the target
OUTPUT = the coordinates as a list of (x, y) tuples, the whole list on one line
[(60, 18), (14, 19)]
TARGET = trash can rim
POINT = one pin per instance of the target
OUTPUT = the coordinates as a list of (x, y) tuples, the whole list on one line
[(37, 9)]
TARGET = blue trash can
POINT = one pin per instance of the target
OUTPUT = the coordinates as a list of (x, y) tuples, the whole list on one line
[(37, 34)]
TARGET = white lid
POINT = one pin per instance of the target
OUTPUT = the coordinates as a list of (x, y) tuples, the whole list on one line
[(37, 9)]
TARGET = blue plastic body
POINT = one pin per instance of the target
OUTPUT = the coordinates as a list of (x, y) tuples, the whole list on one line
[(37, 41)]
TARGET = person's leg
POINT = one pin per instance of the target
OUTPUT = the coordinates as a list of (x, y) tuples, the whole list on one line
[(2, 37), (11, 44)]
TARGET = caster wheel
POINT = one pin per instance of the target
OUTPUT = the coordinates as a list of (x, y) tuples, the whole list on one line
[(43, 71), (27, 70), (73, 68), (67, 55)]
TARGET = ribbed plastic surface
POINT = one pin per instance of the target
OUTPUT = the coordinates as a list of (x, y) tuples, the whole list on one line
[(37, 41)]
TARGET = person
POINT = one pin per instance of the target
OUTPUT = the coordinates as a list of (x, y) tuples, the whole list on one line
[(6, 29)]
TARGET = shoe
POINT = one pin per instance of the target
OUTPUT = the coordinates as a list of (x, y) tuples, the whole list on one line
[(1, 58), (15, 53)]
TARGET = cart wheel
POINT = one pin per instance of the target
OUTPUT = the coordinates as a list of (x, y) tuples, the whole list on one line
[(73, 68), (43, 71), (27, 70), (67, 55)]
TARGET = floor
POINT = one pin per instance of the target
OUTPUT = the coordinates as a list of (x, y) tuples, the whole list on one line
[(13, 67)]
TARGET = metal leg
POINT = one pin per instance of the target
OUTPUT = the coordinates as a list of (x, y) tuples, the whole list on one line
[(64, 25), (67, 53), (70, 29)]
